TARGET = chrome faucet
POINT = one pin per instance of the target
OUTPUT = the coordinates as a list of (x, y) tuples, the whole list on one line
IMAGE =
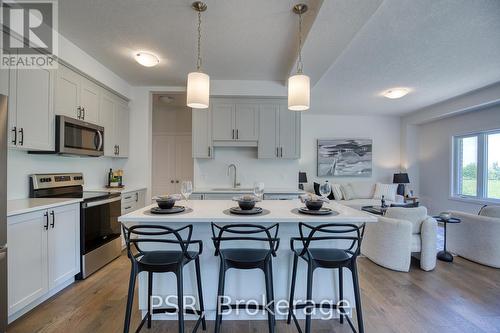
[(235, 184)]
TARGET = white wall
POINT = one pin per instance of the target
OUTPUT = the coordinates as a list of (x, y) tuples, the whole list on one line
[(384, 131), (435, 156)]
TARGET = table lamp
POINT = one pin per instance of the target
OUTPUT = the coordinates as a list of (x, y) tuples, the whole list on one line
[(401, 179)]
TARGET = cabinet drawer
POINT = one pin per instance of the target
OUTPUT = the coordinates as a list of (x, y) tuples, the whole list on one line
[(129, 197), (128, 207)]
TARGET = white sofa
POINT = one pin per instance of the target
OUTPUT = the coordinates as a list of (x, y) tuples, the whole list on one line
[(364, 192), (477, 237), (402, 231)]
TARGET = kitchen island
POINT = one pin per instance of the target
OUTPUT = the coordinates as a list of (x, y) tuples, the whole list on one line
[(245, 285)]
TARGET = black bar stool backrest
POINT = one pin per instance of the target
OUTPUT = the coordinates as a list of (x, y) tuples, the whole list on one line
[(336, 231), (246, 232), (138, 234)]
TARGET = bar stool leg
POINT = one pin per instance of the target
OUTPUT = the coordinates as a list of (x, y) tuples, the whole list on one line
[(357, 297), (309, 296), (180, 300), (292, 289), (271, 277), (200, 293), (220, 293), (130, 298), (150, 294), (267, 277), (341, 294)]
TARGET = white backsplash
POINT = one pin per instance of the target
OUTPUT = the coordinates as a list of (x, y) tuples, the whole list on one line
[(210, 173)]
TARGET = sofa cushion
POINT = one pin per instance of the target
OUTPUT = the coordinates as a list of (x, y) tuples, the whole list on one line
[(414, 215), (416, 243), (347, 192), (490, 211), (363, 190), (386, 190)]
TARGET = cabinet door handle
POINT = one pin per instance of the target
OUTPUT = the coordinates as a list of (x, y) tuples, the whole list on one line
[(233, 134), (136, 197), (118, 150), (83, 111), (208, 151), (14, 129), (46, 225), (237, 134), (21, 136), (128, 207), (281, 151), (277, 152), (79, 112), (53, 219), (177, 182), (171, 181)]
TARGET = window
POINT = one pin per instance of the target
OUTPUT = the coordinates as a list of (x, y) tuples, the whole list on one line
[(476, 166)]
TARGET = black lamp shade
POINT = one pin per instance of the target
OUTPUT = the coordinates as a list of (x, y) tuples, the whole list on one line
[(401, 178), (302, 177)]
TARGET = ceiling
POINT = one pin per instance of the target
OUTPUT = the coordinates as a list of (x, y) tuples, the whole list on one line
[(354, 49)]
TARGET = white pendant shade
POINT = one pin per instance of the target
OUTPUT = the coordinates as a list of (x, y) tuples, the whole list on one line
[(198, 90), (298, 92)]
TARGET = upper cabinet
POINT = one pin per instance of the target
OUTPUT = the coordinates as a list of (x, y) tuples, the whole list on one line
[(247, 122), (279, 132), (234, 122), (114, 117), (76, 96), (31, 111)]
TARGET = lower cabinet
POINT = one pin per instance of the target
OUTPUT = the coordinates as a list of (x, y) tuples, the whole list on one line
[(132, 201), (43, 254)]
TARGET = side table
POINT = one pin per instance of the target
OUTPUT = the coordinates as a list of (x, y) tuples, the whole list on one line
[(445, 255)]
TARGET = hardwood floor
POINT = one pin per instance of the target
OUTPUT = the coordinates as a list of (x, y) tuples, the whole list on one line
[(458, 297)]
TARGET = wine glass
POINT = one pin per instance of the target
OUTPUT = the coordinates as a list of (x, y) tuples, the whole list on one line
[(325, 189), (186, 189), (258, 189)]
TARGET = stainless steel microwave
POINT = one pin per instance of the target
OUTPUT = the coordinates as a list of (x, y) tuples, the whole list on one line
[(77, 137)]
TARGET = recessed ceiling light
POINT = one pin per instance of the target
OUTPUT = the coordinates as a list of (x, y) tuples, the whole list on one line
[(147, 59), (394, 93)]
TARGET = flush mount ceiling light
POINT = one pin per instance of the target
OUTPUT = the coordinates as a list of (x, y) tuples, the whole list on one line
[(147, 59), (198, 83), (298, 85), (395, 93)]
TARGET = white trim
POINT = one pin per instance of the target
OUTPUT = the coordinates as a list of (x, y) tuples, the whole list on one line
[(472, 200)]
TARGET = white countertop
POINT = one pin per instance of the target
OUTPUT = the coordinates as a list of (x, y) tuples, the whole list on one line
[(22, 206), (249, 190), (126, 189), (280, 211)]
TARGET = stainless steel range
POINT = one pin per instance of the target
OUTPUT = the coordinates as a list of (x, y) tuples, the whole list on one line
[(99, 227)]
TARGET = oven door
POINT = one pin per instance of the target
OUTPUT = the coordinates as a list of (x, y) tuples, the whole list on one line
[(99, 223), (76, 137)]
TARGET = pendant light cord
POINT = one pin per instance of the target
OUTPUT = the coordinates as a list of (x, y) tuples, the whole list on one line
[(299, 62), (198, 61)]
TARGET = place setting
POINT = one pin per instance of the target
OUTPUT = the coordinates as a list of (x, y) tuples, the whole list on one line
[(166, 203), (314, 203), (247, 203)]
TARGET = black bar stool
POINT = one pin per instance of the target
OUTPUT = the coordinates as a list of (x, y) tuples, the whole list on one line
[(333, 258), (163, 261), (246, 258)]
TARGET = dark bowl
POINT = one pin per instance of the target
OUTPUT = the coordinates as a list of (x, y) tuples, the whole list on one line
[(246, 204), (314, 204), (165, 203)]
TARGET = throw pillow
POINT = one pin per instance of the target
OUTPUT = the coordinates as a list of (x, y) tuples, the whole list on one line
[(363, 190), (337, 192), (316, 191), (386, 190), (347, 192), (414, 215)]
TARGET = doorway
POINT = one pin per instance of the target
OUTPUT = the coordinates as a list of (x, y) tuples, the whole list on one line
[(172, 160)]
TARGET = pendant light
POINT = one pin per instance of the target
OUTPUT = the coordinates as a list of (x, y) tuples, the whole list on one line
[(198, 83), (298, 84)]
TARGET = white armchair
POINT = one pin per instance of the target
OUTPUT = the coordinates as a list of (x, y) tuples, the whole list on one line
[(477, 237), (401, 232)]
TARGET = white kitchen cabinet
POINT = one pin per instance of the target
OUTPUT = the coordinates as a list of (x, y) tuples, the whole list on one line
[(122, 130), (63, 244), (202, 133), (44, 254), (31, 112), (279, 132), (76, 96), (27, 259), (234, 123), (132, 201), (114, 117)]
